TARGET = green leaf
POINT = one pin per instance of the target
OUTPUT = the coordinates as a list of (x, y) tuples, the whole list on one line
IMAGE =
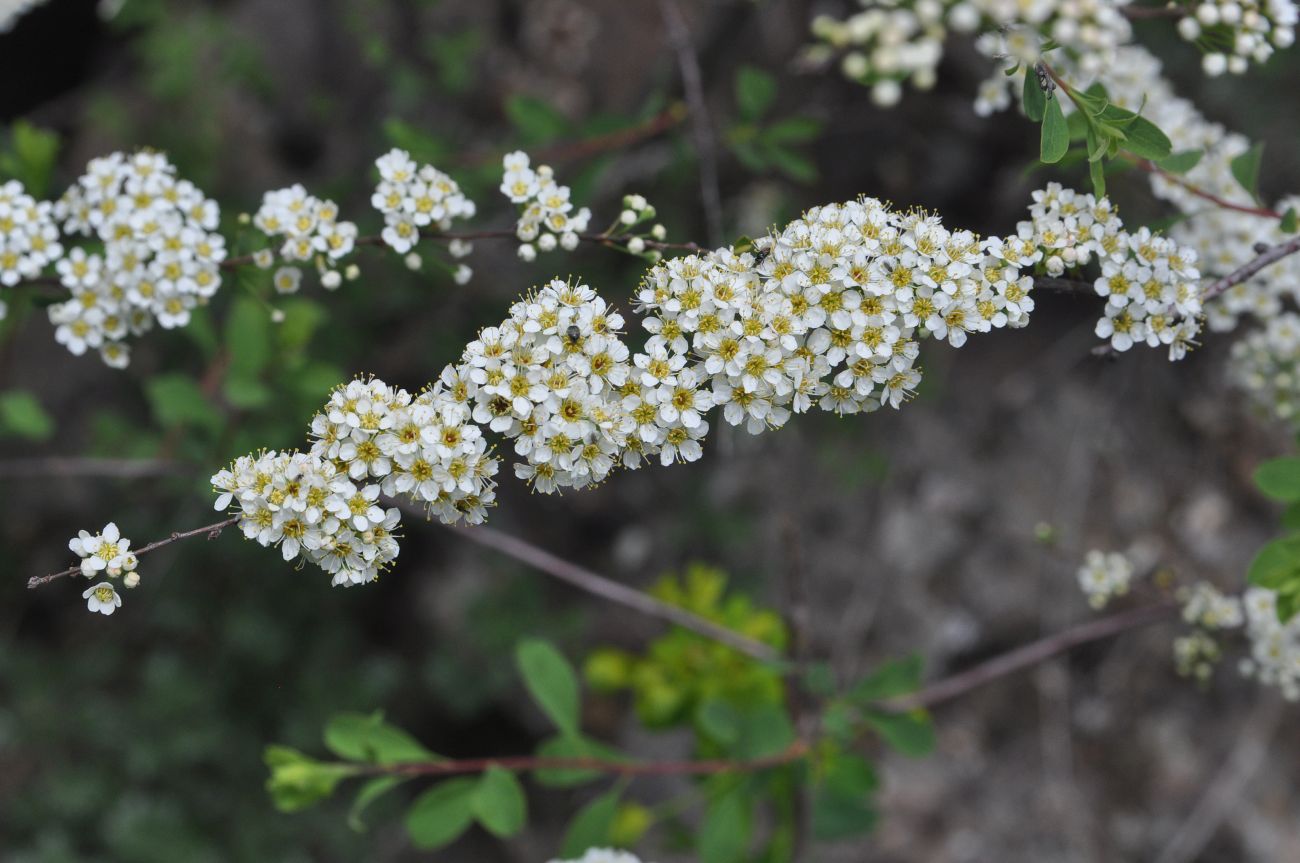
[(176, 399), (1277, 565), (842, 802), (551, 681), (248, 337), (911, 734), (302, 317), (537, 121), (719, 720), (246, 393), (369, 793), (724, 835), (1291, 517), (763, 730), (366, 737), (498, 802), (298, 781), (591, 827), (441, 814), (422, 146), (1144, 138), (1290, 223), (1245, 169), (21, 415), (1181, 162), (1034, 101), (1056, 135), (30, 157), (1279, 478), (755, 92), (1097, 173), (794, 165), (893, 678), (793, 130)]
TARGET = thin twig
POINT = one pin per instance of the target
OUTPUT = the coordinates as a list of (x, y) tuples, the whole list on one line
[(1151, 168), (84, 468), (1138, 12), (679, 37), (212, 531), (1029, 655), (599, 585), (1266, 258), (793, 752), (573, 151)]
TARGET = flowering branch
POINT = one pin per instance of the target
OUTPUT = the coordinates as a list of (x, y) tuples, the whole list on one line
[(796, 751), (211, 530)]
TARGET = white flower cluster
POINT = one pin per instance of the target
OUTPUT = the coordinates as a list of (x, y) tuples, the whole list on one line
[(29, 237), (636, 211), (546, 215), (1266, 364), (160, 259), (105, 554), (603, 855), (310, 509), (1196, 654), (891, 42), (311, 230), (413, 197), (1239, 31), (1104, 576), (371, 439), (1274, 646), (1204, 606)]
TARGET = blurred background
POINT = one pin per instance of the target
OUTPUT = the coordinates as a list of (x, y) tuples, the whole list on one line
[(139, 737)]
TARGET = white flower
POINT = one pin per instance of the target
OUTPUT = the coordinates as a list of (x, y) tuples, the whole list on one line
[(102, 598), (1104, 576)]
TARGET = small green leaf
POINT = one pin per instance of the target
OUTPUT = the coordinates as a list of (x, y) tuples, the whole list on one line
[(1056, 135), (1097, 173), (21, 415), (537, 121), (793, 130), (1277, 565), (369, 793), (755, 92), (591, 827), (1181, 162), (1290, 223), (724, 835), (176, 399), (31, 157), (719, 720), (366, 737), (891, 679), (842, 803), (248, 337), (441, 814), (1291, 517), (911, 734), (1245, 169), (298, 781), (1144, 138), (551, 681), (1279, 478), (763, 730), (499, 803), (1034, 101)]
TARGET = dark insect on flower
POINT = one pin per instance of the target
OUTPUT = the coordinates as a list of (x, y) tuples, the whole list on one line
[(573, 334), (761, 255)]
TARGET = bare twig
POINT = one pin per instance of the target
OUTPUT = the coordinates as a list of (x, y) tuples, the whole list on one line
[(679, 37), (598, 585), (1265, 259), (587, 147), (1029, 655), (212, 531), (87, 468)]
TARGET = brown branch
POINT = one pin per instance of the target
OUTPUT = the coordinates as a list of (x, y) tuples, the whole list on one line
[(598, 585), (75, 466), (1139, 12), (575, 150), (794, 752), (212, 531), (1029, 655), (679, 37), (1264, 259), (1151, 168)]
